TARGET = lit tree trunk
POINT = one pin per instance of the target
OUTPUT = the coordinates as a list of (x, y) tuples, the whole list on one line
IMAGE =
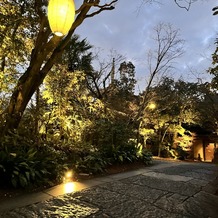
[(28, 83), (159, 143), (37, 114), (161, 139)]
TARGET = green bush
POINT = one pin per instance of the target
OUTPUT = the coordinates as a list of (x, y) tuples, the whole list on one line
[(181, 153), (146, 157), (25, 164), (121, 154), (81, 157), (91, 163), (20, 169)]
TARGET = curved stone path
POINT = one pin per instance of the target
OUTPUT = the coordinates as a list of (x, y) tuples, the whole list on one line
[(166, 189)]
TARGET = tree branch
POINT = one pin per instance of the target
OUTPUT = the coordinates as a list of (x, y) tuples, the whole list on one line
[(189, 2), (102, 8), (87, 3)]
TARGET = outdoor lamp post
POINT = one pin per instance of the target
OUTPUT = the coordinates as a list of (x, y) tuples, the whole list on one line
[(61, 14)]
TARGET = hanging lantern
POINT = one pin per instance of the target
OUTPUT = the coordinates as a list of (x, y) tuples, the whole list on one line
[(61, 14)]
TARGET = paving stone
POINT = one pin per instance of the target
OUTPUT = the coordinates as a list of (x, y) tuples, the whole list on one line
[(205, 171), (135, 191), (201, 176), (136, 208), (173, 204), (175, 170), (58, 207), (167, 190), (164, 184), (202, 205), (211, 187), (101, 198), (198, 182), (100, 214), (116, 186), (167, 176), (155, 212), (185, 168), (128, 209)]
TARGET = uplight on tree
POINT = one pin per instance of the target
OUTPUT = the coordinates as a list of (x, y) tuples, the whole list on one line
[(152, 106), (61, 15)]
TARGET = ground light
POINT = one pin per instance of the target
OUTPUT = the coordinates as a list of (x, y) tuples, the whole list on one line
[(69, 185), (61, 15), (68, 177), (152, 105)]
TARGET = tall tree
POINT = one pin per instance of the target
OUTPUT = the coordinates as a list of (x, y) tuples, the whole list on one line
[(211, 90), (127, 78), (168, 47), (177, 103), (66, 92), (46, 50)]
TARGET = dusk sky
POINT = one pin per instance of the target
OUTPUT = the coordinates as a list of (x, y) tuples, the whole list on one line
[(128, 30)]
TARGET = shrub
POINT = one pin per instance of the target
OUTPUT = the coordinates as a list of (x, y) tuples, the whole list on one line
[(91, 163), (146, 157), (20, 169), (181, 153), (26, 164), (122, 153)]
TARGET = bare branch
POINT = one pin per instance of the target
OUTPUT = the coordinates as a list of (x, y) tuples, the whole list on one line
[(102, 8), (184, 4), (87, 3), (107, 5), (169, 47), (188, 4)]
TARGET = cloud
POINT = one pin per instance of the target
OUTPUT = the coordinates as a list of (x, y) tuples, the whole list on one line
[(129, 31)]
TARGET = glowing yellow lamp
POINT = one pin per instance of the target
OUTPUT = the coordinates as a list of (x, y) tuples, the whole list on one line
[(152, 106), (61, 14), (68, 176)]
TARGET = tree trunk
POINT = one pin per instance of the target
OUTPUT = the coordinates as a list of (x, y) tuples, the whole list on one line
[(37, 115), (22, 94), (161, 139), (159, 143)]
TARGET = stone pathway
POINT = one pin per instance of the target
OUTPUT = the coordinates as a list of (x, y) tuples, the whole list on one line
[(166, 189)]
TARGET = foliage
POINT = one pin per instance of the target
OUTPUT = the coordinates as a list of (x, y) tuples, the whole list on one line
[(122, 154), (181, 153), (77, 55), (23, 164), (15, 41), (177, 102), (127, 79), (19, 169), (34, 48), (146, 157), (91, 163), (70, 108)]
